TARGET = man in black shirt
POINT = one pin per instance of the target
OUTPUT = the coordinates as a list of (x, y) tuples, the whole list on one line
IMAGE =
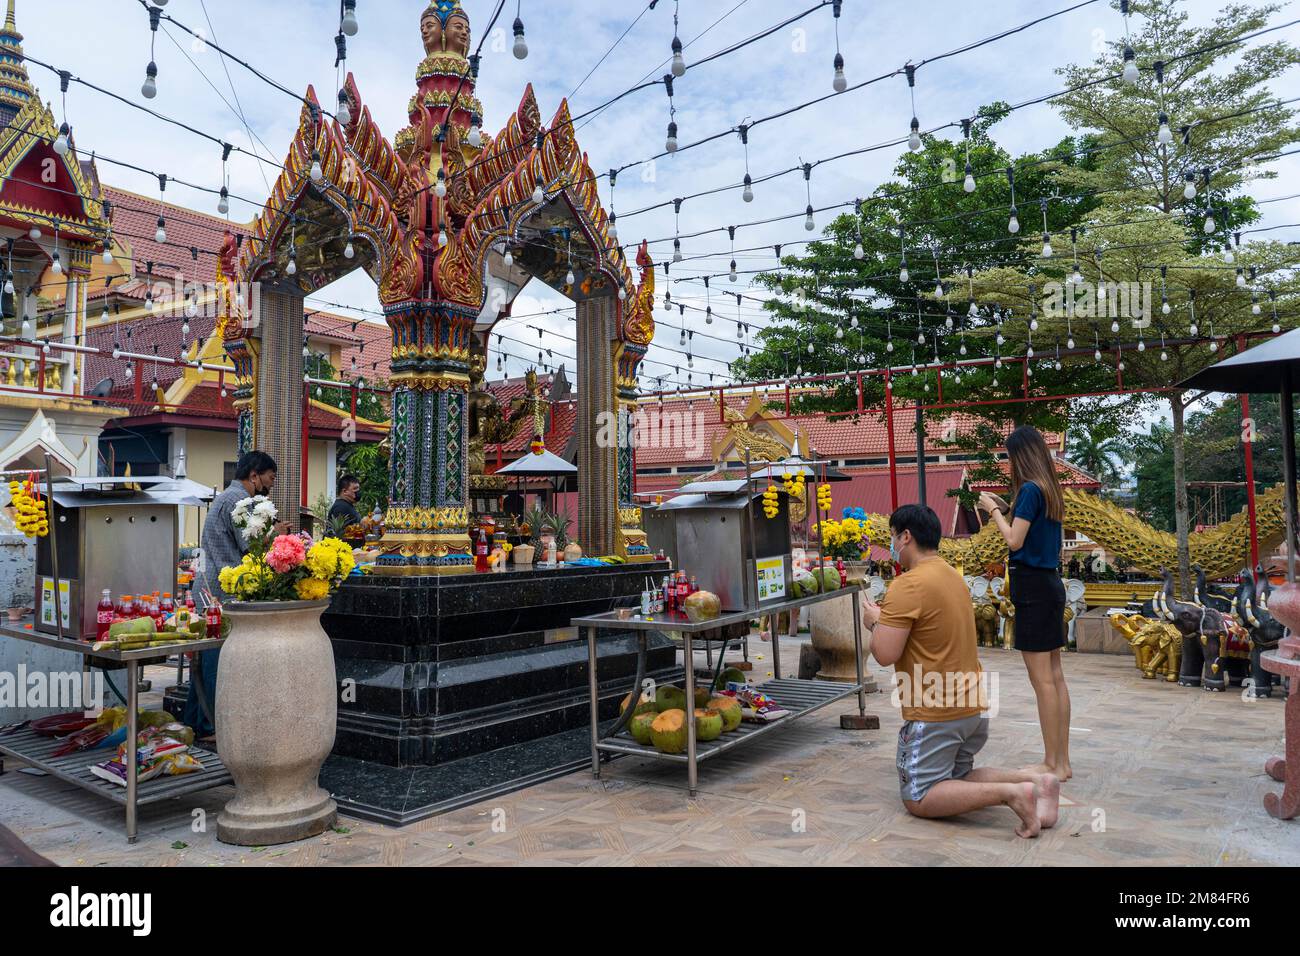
[(343, 513)]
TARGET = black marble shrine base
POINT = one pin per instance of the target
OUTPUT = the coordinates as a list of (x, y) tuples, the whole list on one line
[(455, 688)]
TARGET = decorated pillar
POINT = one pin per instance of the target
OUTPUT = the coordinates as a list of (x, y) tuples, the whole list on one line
[(427, 524), (634, 340)]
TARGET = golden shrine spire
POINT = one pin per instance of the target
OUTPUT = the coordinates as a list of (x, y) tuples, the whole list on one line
[(15, 87)]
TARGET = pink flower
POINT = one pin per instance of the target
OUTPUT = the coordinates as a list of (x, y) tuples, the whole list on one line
[(287, 552)]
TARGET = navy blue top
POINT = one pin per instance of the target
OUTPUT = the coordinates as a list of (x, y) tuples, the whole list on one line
[(1042, 547)]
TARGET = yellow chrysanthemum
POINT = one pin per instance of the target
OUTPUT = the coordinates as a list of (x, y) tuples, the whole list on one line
[(312, 589)]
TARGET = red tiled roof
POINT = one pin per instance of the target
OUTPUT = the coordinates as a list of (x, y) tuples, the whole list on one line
[(1072, 476), (372, 345), (206, 403)]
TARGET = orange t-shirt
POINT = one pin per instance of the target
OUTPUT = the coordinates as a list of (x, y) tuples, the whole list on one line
[(938, 677)]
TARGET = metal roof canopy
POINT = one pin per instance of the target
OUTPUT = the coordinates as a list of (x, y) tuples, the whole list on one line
[(1272, 366), (538, 465), (96, 492)]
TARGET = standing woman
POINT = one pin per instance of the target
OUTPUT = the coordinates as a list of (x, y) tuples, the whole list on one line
[(1033, 536)]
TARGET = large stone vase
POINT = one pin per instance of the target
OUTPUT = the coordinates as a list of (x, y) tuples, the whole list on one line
[(275, 717), (831, 623)]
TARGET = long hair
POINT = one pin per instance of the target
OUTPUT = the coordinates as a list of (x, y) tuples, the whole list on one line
[(1031, 461)]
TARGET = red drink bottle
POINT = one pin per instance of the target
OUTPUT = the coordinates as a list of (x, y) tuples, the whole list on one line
[(104, 615)]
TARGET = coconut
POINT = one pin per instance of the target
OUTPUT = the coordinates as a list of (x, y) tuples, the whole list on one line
[(640, 726), (702, 696), (732, 675), (643, 706), (668, 731), (702, 606), (827, 578), (670, 698), (730, 710), (708, 725)]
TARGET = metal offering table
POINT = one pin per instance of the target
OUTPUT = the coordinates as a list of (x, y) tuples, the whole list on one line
[(799, 697), (36, 750)]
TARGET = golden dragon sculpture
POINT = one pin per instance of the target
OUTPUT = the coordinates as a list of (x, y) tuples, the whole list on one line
[(1221, 550)]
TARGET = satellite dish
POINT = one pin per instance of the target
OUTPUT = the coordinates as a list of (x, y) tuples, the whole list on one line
[(103, 389), (1074, 591)]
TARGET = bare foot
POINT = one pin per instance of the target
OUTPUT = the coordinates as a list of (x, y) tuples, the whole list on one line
[(1025, 804), (1049, 800), (1065, 773), (1039, 769)]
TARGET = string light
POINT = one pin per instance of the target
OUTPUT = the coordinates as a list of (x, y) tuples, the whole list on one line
[(840, 83), (149, 89), (679, 62), (968, 184), (808, 222), (914, 136), (349, 22), (748, 194), (521, 45)]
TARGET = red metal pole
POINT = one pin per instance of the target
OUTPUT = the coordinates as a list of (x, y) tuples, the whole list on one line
[(889, 430)]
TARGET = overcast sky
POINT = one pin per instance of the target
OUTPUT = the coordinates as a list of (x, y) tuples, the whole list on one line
[(292, 41)]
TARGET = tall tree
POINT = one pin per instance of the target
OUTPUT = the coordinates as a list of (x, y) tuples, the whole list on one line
[(1160, 260)]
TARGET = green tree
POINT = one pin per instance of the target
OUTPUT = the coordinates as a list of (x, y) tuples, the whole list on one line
[(1099, 449), (370, 464), (1147, 237)]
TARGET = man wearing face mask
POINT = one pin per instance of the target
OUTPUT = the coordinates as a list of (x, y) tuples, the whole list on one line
[(925, 628), (222, 546)]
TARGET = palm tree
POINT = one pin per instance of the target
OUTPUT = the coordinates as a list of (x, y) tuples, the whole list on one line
[(1098, 450)]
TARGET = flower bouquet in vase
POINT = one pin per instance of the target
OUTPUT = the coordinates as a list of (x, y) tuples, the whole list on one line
[(277, 695)]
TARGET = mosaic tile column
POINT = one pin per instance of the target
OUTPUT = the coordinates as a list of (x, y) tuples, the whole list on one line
[(631, 540), (427, 524), (278, 396), (598, 457)]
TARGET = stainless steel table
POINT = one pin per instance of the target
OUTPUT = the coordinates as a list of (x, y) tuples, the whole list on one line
[(34, 749), (799, 697)]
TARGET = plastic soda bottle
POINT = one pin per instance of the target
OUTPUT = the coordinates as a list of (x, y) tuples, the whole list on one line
[(104, 615)]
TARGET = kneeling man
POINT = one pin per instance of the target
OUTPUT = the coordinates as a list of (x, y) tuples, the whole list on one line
[(926, 629)]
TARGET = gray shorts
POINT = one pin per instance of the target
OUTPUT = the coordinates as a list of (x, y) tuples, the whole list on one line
[(931, 751)]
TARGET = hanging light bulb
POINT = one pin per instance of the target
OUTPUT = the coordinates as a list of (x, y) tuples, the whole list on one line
[(569, 277), (440, 185), (1069, 343), (840, 83), (348, 251), (160, 234), (1209, 222), (61, 141), (902, 272), (1142, 346), (344, 113), (748, 194), (671, 143), (103, 316), (968, 183), (1013, 225), (9, 284), (914, 137), (539, 197), (55, 266), (1164, 136), (1096, 354), (292, 267), (1029, 352), (1130, 65), (962, 349), (810, 348), (889, 346), (679, 62), (1214, 345), (349, 22), (521, 45), (1164, 305), (223, 201), (808, 222), (1241, 277), (1114, 325), (27, 327), (1193, 329), (858, 252), (622, 296), (317, 173), (475, 133), (1047, 246), (107, 257), (1121, 365), (34, 233), (1077, 275), (509, 258), (1033, 325), (149, 89), (1254, 304), (1189, 188), (732, 275), (130, 371), (442, 236)]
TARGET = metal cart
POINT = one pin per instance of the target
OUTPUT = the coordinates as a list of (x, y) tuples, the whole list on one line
[(799, 697), (36, 750)]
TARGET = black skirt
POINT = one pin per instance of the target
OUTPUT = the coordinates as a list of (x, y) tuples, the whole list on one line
[(1038, 595)]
